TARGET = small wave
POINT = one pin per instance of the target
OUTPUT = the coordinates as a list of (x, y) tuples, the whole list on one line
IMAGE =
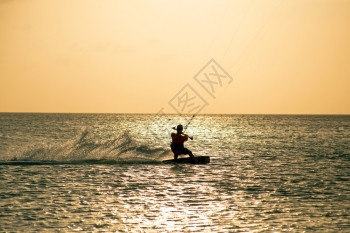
[(87, 148)]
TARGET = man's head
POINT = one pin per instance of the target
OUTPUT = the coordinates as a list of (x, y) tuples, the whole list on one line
[(179, 128)]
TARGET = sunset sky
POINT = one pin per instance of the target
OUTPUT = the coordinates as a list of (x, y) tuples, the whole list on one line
[(109, 56)]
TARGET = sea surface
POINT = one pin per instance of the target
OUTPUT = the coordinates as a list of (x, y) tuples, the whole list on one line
[(103, 173)]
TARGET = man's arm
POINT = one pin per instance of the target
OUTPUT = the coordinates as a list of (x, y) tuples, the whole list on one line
[(188, 137)]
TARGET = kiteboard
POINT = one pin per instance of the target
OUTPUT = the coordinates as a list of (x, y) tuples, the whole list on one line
[(200, 160)]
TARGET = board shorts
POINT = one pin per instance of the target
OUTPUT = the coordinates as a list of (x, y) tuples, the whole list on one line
[(179, 150), (184, 151)]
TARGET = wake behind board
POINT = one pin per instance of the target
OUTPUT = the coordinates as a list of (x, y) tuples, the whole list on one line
[(200, 160)]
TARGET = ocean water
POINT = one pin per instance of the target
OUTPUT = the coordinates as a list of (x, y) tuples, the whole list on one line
[(103, 173)]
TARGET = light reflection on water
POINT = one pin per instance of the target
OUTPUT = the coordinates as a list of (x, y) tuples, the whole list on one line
[(155, 198), (267, 173)]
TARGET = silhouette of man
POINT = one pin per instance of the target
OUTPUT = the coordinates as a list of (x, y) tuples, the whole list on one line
[(177, 144)]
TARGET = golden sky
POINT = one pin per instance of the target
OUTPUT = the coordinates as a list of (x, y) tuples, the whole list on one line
[(285, 57)]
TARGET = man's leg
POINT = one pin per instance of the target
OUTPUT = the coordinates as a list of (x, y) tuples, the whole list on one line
[(188, 152)]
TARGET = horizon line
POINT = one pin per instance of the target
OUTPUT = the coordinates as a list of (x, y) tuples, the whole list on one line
[(134, 113)]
